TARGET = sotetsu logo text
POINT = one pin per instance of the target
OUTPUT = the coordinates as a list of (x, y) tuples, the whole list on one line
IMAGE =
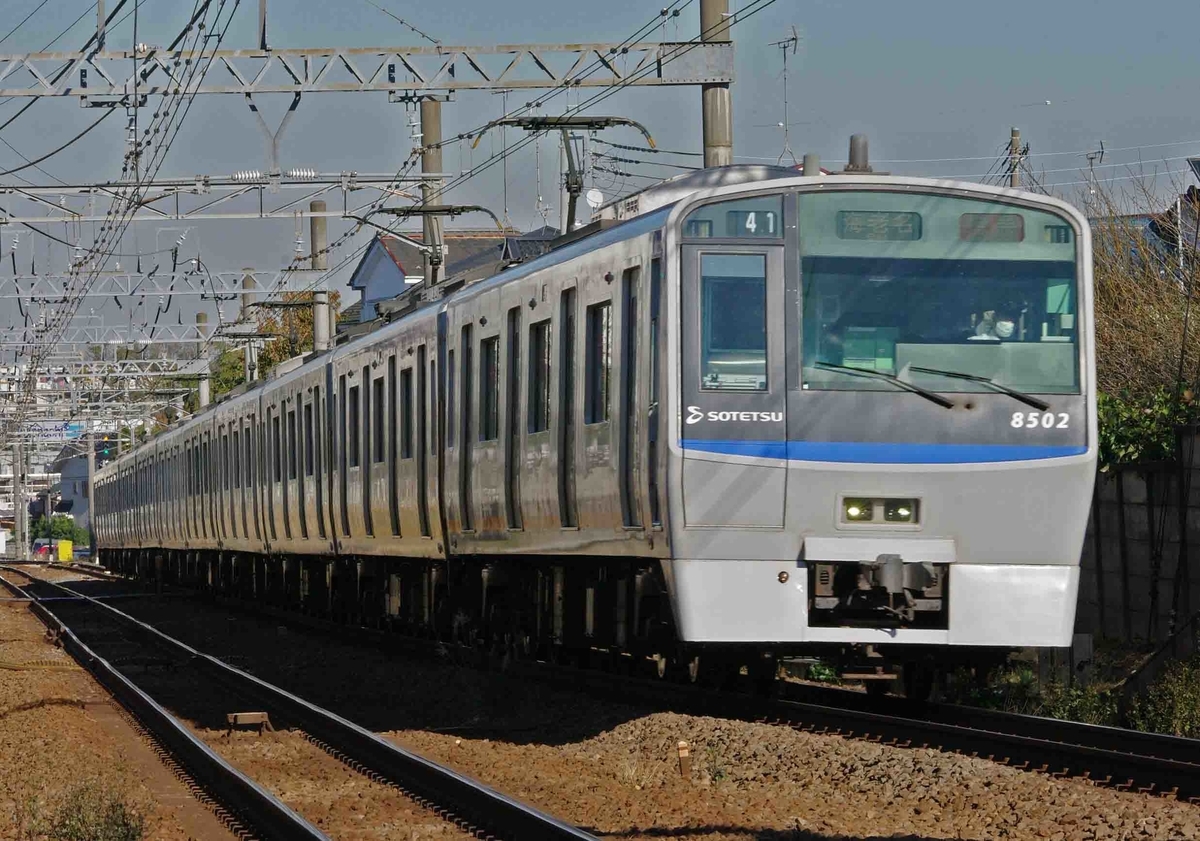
[(696, 414)]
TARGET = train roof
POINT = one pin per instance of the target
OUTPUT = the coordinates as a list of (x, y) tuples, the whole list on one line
[(681, 186)]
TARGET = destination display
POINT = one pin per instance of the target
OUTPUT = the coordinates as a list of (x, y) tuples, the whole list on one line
[(883, 225)]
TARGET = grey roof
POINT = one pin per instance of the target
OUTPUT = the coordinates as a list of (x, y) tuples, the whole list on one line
[(350, 314)]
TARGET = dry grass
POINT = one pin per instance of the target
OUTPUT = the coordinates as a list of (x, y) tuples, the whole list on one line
[(1142, 298)]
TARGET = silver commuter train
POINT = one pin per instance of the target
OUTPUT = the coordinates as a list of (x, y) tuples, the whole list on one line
[(851, 415)]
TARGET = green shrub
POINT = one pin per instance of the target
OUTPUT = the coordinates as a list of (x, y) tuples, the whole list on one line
[(1172, 703), (1139, 429), (89, 811), (1016, 689)]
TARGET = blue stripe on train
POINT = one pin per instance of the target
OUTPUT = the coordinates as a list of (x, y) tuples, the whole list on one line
[(883, 453)]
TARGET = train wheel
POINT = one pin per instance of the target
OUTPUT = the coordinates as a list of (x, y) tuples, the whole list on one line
[(877, 688), (763, 673), (919, 679), (662, 666)]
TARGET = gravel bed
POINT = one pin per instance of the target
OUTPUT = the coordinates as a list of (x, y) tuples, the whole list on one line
[(332, 796), (614, 769), (59, 733)]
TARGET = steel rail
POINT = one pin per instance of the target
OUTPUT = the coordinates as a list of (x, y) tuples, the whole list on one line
[(1149, 762), (234, 791), (468, 799), (1116, 739)]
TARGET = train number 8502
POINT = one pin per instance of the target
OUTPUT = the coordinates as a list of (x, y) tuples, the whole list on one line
[(1044, 420)]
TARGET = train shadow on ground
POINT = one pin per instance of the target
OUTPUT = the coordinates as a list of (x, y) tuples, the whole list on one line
[(379, 688)]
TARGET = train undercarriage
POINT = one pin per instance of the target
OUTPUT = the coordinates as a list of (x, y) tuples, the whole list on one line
[(599, 613)]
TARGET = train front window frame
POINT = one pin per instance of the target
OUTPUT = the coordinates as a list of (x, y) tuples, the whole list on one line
[(734, 333), (755, 218), (931, 282)]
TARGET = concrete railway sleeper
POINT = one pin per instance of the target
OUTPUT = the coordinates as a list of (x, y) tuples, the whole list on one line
[(240, 801), (1149, 762), (456, 798)]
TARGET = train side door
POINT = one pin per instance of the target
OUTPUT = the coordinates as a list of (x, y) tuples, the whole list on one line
[(733, 393)]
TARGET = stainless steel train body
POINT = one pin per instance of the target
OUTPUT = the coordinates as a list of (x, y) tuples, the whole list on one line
[(780, 414)]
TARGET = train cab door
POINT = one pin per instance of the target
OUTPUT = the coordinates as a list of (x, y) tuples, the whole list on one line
[(733, 390)]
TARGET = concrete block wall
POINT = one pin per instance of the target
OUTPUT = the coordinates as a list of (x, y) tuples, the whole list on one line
[(1138, 550)]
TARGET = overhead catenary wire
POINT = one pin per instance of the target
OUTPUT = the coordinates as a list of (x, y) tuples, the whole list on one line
[(404, 23), (24, 20), (122, 208), (34, 163), (677, 51), (414, 155)]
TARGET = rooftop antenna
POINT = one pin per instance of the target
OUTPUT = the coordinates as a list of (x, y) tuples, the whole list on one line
[(785, 46)]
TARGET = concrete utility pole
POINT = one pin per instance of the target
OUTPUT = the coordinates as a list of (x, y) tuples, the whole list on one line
[(203, 387), (1014, 159), (716, 104), (431, 161), (91, 491), (812, 164), (20, 539), (318, 237), (250, 354)]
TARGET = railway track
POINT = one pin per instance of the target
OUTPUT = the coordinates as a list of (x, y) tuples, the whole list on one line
[(111, 644), (1125, 759)]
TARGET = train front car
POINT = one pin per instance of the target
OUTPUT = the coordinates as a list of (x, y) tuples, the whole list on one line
[(886, 424)]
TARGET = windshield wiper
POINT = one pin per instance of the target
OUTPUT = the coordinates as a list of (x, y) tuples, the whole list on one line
[(891, 378), (1011, 392)]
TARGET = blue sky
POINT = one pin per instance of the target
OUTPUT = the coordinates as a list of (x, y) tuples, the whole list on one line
[(930, 81)]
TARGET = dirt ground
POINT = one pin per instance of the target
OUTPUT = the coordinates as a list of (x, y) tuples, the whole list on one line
[(614, 769), (333, 797), (59, 733)]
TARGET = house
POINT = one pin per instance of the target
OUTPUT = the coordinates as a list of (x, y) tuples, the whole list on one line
[(73, 484), (391, 265)]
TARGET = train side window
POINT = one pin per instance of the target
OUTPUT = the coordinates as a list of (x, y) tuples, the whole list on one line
[(450, 426), (627, 416), (652, 410), (406, 413), (353, 426), (344, 436), (539, 376), (393, 446), (566, 441), (465, 464), (308, 439), (598, 362), (277, 433), (225, 459), (489, 389), (237, 473), (379, 406), (366, 449), (318, 409), (424, 413), (292, 444), (733, 322)]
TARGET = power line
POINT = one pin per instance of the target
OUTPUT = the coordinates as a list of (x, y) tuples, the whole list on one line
[(51, 154), (24, 20), (415, 153), (405, 23)]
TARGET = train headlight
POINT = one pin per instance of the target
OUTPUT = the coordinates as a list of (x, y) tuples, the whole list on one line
[(858, 510), (900, 510)]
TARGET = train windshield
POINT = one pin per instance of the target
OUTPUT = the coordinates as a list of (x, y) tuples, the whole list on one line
[(949, 294)]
